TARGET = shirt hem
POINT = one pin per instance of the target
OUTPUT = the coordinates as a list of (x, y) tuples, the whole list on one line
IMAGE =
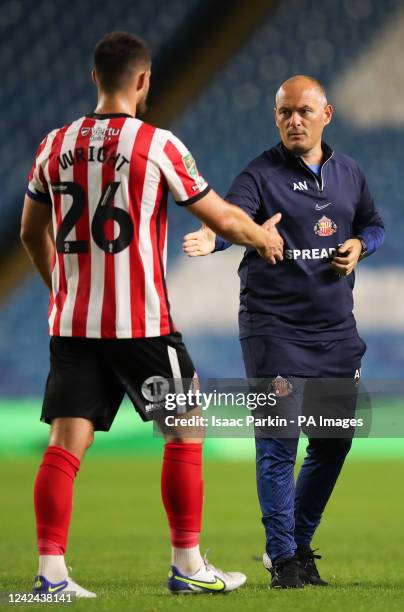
[(195, 198), (43, 198), (112, 335)]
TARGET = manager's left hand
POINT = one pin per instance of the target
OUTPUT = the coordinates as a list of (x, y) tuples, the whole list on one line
[(347, 257)]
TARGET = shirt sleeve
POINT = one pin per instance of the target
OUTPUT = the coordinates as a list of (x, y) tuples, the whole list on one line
[(368, 225), (37, 185), (181, 173), (245, 194)]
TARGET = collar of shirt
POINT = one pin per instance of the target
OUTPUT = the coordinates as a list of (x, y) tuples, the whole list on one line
[(287, 155)]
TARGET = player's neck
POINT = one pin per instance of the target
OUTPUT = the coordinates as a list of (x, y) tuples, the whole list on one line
[(107, 105), (314, 156)]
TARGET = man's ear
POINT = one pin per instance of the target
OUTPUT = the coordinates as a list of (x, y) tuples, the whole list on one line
[(142, 79), (329, 111), (94, 77)]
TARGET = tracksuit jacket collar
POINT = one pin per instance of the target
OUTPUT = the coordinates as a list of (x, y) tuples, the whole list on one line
[(287, 155), (294, 160)]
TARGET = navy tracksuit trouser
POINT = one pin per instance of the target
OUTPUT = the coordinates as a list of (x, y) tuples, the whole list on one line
[(292, 512)]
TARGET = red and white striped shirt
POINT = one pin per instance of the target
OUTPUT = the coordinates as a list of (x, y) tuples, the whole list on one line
[(107, 179)]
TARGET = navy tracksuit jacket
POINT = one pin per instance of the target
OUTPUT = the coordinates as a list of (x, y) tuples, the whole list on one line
[(302, 295)]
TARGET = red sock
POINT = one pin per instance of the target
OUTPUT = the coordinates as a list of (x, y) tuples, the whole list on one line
[(182, 492), (53, 496)]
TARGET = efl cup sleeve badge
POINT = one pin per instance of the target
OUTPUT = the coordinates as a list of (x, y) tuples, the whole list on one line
[(325, 227), (192, 171), (190, 166)]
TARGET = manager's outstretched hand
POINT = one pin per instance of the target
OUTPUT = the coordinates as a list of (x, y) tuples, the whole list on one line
[(201, 242)]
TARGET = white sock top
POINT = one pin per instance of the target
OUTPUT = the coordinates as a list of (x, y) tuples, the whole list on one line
[(187, 560), (53, 567)]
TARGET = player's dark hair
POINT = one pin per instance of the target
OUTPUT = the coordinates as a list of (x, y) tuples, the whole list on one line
[(117, 56)]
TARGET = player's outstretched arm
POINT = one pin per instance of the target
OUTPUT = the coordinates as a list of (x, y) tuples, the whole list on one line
[(235, 225), (35, 236)]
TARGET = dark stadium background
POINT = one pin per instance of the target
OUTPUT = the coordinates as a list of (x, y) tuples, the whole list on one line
[(216, 67)]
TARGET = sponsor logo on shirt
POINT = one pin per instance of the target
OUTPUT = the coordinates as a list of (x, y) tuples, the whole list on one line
[(321, 206), (325, 227), (310, 253), (200, 184), (99, 132)]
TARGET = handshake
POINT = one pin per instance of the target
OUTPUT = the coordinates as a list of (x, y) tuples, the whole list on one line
[(268, 242)]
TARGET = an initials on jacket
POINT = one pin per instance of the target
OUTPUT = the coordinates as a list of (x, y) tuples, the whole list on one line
[(300, 186)]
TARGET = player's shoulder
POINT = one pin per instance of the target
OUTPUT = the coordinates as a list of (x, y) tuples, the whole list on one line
[(347, 162), (46, 143), (263, 165), (165, 143), (158, 134), (62, 129), (270, 160), (256, 165), (163, 136)]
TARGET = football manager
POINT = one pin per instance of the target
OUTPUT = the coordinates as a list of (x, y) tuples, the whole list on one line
[(296, 320)]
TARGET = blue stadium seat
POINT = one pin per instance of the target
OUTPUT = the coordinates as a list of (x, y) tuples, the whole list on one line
[(45, 40)]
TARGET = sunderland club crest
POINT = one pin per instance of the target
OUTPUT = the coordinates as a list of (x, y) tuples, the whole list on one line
[(325, 227), (281, 386)]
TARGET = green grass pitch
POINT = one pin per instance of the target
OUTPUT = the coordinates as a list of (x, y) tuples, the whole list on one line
[(119, 540)]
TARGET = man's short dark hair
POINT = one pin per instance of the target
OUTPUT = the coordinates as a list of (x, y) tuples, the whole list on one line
[(117, 56)]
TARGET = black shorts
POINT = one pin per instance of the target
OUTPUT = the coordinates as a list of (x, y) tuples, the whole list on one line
[(89, 377)]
